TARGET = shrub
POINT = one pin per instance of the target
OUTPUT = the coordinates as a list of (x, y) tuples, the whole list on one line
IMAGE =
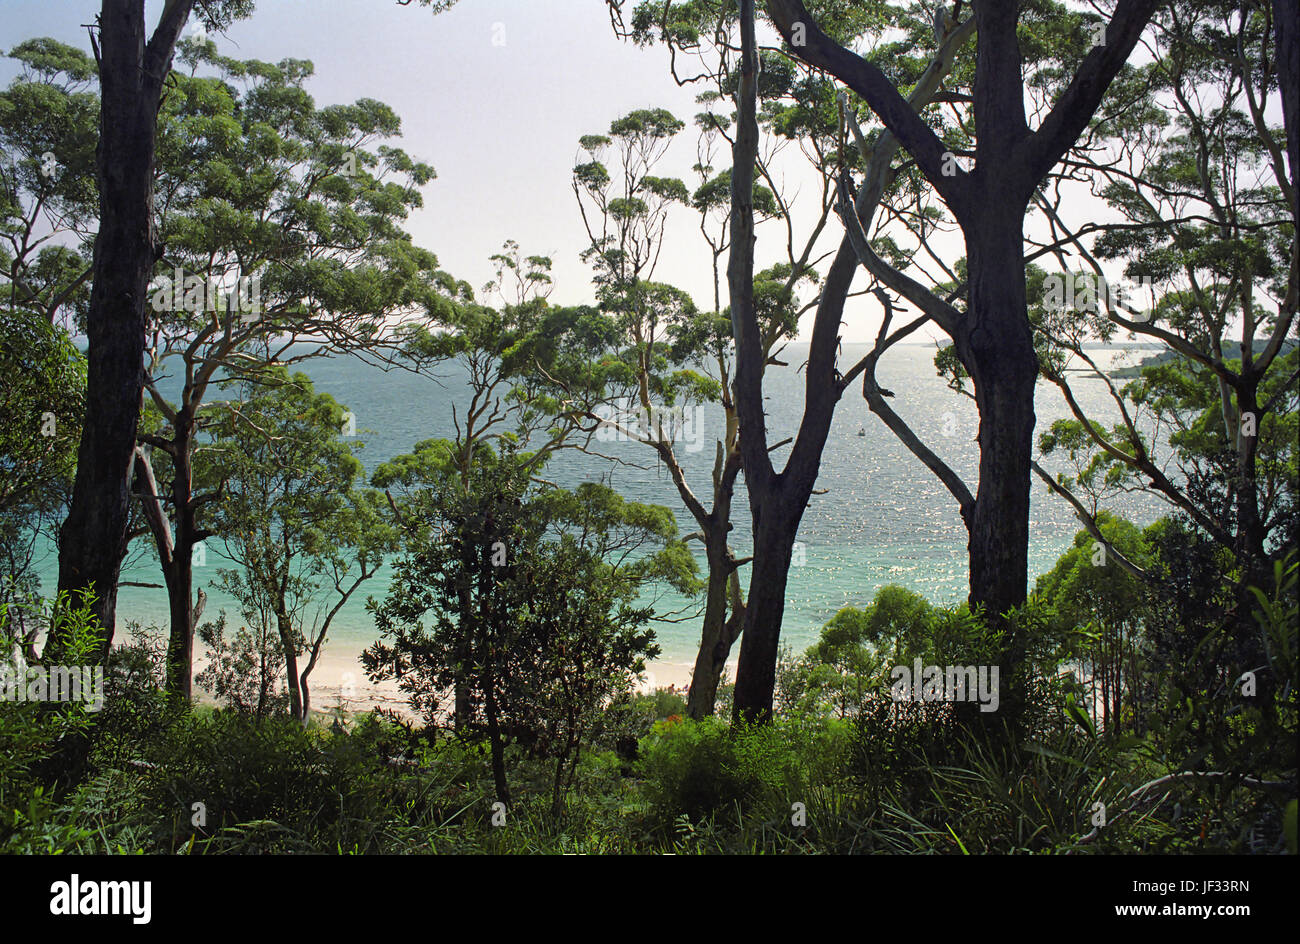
[(709, 770)]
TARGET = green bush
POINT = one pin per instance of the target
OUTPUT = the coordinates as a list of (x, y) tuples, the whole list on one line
[(268, 785), (710, 770)]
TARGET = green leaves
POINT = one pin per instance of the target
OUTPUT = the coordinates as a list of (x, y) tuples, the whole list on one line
[(1079, 716), (715, 195), (42, 401), (257, 178), (645, 125), (289, 510)]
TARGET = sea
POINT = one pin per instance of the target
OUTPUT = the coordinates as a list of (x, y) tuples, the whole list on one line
[(879, 516)]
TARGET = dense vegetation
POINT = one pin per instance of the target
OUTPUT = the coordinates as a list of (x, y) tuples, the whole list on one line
[(1141, 697)]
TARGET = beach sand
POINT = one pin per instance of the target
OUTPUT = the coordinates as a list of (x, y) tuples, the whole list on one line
[(339, 682)]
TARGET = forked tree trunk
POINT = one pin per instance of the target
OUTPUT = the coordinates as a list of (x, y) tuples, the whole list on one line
[(719, 634)]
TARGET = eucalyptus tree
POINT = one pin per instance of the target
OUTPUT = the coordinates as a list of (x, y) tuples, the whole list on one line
[(282, 226), (133, 67), (677, 358), (293, 515), (661, 339), (804, 109), (1202, 197), (993, 336)]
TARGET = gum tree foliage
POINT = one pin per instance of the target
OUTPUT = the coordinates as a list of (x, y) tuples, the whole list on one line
[(530, 595), (670, 356), (133, 66), (47, 180), (988, 201), (1208, 424), (293, 517), (532, 371), (256, 181), (701, 341)]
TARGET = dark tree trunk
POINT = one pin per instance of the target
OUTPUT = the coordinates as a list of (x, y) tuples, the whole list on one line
[(180, 575), (776, 502), (180, 644), (495, 737), (997, 347), (775, 527), (131, 73)]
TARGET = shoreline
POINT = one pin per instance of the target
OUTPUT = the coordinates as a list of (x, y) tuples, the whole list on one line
[(338, 682)]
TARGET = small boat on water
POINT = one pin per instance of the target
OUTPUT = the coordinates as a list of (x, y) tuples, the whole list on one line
[(862, 431)]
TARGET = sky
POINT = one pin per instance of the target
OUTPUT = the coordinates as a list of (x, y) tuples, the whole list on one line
[(495, 94)]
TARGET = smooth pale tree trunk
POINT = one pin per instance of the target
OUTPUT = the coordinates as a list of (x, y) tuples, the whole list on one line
[(131, 72)]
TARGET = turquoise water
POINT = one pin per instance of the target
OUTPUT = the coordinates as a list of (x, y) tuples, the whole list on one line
[(882, 519)]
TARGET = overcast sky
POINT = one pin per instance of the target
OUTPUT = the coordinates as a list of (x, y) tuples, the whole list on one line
[(499, 120), (494, 94)]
